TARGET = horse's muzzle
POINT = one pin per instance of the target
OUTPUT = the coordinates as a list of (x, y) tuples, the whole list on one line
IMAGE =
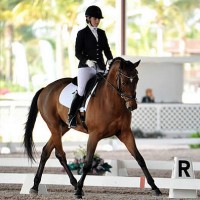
[(131, 105)]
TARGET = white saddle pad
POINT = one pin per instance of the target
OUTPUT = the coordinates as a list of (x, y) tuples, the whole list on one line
[(67, 95)]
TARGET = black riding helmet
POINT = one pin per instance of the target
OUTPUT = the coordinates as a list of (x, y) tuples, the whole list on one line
[(93, 11)]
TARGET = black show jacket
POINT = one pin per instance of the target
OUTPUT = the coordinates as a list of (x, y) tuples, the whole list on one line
[(88, 48)]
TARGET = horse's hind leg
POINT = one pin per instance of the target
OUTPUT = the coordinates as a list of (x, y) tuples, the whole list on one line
[(57, 131), (46, 152), (61, 156), (54, 142), (128, 139), (63, 162)]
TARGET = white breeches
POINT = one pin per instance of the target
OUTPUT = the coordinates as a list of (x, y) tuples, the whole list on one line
[(84, 75)]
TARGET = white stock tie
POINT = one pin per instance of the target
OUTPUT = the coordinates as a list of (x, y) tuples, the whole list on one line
[(94, 31)]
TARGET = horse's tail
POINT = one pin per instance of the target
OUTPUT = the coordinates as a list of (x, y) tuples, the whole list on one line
[(29, 125)]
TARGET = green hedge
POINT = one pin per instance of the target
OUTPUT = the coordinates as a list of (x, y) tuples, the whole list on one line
[(195, 135)]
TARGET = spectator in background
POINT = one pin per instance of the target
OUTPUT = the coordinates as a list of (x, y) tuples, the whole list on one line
[(149, 98)]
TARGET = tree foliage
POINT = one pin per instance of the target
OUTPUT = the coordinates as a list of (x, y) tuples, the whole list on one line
[(176, 19)]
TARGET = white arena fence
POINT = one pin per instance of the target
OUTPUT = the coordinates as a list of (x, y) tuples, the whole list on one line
[(181, 119), (118, 173), (167, 118), (109, 144)]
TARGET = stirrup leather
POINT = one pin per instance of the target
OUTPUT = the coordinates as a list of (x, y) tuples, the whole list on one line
[(72, 122)]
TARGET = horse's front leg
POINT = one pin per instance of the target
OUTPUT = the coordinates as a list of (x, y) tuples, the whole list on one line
[(128, 139), (91, 147), (46, 151)]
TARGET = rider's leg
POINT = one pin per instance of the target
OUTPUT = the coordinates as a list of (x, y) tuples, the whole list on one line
[(73, 110), (84, 74)]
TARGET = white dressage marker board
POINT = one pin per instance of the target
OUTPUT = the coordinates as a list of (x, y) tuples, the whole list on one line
[(183, 169)]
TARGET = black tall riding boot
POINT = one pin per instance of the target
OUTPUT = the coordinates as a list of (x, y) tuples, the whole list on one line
[(76, 103)]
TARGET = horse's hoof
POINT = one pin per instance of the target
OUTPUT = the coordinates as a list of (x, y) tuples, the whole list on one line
[(156, 192), (79, 194), (33, 191)]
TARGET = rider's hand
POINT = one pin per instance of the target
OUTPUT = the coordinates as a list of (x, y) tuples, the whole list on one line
[(108, 64), (91, 63), (109, 61)]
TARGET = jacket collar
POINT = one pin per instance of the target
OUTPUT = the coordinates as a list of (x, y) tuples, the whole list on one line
[(92, 28)]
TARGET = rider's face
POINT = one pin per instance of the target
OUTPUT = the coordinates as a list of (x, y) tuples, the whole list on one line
[(94, 21)]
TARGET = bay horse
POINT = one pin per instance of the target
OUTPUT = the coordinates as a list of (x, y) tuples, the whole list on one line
[(108, 113)]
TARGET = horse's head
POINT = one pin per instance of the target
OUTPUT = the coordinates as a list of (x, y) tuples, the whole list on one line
[(127, 79)]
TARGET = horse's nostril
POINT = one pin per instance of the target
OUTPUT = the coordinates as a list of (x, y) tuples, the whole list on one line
[(130, 108)]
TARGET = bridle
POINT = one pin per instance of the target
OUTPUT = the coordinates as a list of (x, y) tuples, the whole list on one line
[(122, 94), (119, 90)]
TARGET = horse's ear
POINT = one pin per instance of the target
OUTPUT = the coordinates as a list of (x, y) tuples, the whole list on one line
[(137, 63)]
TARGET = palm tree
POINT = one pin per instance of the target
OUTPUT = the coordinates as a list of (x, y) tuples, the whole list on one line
[(63, 15), (185, 10), (6, 38), (164, 14), (173, 16)]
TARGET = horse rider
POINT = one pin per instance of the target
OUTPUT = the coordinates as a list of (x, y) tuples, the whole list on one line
[(91, 42)]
